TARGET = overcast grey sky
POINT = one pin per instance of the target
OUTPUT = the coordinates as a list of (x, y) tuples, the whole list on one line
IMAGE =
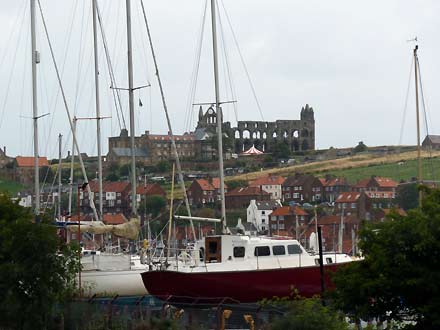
[(350, 60)]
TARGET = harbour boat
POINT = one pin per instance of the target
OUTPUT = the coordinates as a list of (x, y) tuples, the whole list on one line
[(239, 268)]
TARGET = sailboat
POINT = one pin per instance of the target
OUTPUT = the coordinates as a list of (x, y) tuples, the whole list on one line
[(238, 268)]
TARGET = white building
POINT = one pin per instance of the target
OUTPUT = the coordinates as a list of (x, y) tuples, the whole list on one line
[(270, 184), (258, 213)]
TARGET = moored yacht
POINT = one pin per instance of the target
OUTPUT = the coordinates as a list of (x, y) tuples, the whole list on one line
[(238, 268)]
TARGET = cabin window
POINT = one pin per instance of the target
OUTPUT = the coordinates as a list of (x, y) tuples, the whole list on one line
[(239, 251), (278, 250), (317, 263), (294, 249), (212, 247), (202, 254), (329, 260), (262, 251)]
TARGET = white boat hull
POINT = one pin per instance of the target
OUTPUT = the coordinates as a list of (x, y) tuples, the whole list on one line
[(112, 283)]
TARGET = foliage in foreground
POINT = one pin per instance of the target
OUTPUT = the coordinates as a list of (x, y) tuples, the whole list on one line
[(400, 277), (37, 270), (306, 314)]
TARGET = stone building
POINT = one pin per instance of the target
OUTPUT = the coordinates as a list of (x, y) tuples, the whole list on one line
[(299, 135)]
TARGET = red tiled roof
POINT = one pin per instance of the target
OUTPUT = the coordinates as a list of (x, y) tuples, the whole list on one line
[(267, 180), (362, 183), (247, 191), (385, 182), (348, 197), (323, 182), (288, 210), (150, 189), (114, 219), (29, 161), (118, 186), (216, 183), (204, 184), (335, 182)]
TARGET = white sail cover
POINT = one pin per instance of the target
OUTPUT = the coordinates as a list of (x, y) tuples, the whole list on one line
[(252, 151), (128, 230)]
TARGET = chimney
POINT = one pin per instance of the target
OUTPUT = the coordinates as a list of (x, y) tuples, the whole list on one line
[(68, 153), (4, 150)]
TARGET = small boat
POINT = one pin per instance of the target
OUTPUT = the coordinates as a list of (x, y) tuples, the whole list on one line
[(240, 269)]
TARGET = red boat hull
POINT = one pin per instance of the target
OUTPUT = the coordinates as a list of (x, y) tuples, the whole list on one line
[(235, 286)]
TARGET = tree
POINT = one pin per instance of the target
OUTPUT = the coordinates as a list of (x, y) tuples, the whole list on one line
[(407, 196), (37, 269), (153, 205), (163, 166), (113, 177), (309, 314), (399, 279)]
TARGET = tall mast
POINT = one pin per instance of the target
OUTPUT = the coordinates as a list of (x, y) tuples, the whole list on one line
[(59, 176), (98, 114), (35, 60), (419, 158), (131, 105), (72, 160), (219, 116)]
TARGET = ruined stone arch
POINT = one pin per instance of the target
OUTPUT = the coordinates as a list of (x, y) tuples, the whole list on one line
[(237, 134), (304, 133), (285, 135), (295, 134), (274, 134), (295, 145), (305, 145), (254, 135), (246, 134)]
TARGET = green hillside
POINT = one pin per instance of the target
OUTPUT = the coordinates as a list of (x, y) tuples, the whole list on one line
[(397, 171), (10, 186)]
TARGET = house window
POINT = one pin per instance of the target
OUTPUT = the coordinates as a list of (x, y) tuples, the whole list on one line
[(353, 205), (329, 260), (294, 249), (263, 212), (239, 251), (278, 250), (295, 195), (262, 251), (281, 226), (288, 195), (263, 228)]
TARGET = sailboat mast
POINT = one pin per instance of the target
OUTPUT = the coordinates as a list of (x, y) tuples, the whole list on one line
[(98, 113), (131, 105), (60, 137), (219, 116), (72, 160), (419, 158), (35, 60)]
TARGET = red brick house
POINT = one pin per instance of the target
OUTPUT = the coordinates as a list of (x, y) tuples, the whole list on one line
[(24, 168), (302, 188), (240, 198), (285, 219), (204, 191), (116, 197), (333, 186), (150, 189), (354, 203)]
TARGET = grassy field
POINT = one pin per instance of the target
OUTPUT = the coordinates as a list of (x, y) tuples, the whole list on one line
[(10, 186), (360, 166)]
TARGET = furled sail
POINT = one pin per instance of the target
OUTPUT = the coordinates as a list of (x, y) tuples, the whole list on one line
[(129, 230)]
